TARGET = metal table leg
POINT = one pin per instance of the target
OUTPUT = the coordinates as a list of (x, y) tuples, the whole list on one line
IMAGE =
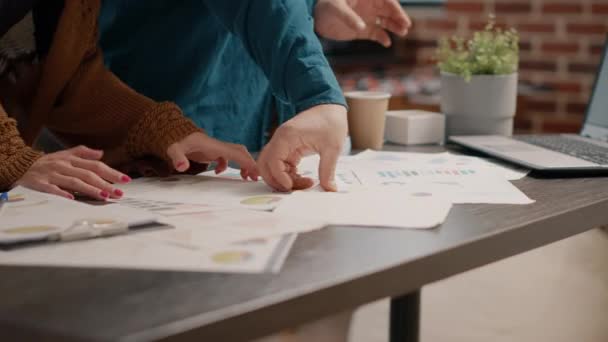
[(405, 318)]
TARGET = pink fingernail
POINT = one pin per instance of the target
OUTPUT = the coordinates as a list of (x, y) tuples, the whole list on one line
[(69, 196), (125, 179), (118, 192), (180, 164), (104, 194)]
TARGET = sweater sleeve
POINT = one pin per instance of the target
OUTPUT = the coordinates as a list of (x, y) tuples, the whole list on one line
[(15, 156), (279, 35), (98, 110)]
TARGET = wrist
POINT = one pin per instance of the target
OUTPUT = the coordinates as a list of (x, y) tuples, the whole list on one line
[(158, 130), (17, 165)]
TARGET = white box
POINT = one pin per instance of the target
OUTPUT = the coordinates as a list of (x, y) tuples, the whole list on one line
[(414, 127)]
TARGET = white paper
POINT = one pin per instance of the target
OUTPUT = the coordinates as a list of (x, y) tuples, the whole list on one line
[(205, 238), (137, 252), (368, 207), (201, 226), (459, 179), (216, 191), (30, 214), (509, 172)]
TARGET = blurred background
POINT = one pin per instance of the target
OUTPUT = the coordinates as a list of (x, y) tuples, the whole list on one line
[(561, 45)]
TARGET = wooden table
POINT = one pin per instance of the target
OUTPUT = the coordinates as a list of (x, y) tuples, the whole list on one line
[(327, 271)]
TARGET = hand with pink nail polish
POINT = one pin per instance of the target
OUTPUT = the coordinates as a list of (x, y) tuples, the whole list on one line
[(201, 148), (76, 170)]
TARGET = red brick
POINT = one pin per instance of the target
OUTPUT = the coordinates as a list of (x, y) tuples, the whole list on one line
[(512, 7), (561, 48), (562, 8), (565, 86), (543, 106), (478, 25), (585, 68), (580, 28), (441, 24), (421, 43), (525, 46), (599, 8), (560, 126), (465, 6), (535, 65), (523, 124), (577, 108), (596, 49), (535, 27)]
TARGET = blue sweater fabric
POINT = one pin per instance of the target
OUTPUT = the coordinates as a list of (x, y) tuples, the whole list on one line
[(228, 64)]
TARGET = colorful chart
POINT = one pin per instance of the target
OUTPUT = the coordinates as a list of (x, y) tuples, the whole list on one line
[(261, 200), (418, 173), (231, 257), (163, 207)]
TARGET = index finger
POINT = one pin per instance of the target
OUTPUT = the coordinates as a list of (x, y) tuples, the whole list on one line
[(392, 10), (241, 155), (327, 169)]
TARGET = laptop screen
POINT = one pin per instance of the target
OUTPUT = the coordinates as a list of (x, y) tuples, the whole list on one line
[(597, 112)]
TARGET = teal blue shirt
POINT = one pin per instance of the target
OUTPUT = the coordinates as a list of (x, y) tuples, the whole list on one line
[(229, 64)]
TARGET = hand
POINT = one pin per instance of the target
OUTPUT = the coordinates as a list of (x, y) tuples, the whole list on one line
[(75, 170), (321, 129), (361, 19), (201, 148)]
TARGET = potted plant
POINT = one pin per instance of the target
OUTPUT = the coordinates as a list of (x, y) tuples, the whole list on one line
[(479, 81)]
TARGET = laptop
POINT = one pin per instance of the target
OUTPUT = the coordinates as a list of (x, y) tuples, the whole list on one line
[(586, 152)]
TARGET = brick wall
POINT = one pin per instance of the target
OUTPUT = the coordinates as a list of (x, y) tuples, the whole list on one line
[(561, 44)]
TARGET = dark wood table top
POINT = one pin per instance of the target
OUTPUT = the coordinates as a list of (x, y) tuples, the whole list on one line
[(327, 271)]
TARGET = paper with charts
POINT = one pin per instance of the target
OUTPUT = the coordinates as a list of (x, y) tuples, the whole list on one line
[(208, 190), (184, 248), (454, 178)]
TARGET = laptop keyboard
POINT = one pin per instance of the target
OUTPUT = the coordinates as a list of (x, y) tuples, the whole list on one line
[(573, 147)]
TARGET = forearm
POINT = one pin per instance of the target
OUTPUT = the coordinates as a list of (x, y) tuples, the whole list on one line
[(15, 156), (98, 110)]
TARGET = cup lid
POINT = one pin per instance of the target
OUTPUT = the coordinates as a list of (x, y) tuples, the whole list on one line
[(364, 94)]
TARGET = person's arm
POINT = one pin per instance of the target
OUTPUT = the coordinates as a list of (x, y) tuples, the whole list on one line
[(98, 110), (15, 156), (280, 37)]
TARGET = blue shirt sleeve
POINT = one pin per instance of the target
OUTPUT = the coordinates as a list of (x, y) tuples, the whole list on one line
[(279, 35)]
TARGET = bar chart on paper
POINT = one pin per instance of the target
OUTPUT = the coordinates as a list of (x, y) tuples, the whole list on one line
[(411, 173)]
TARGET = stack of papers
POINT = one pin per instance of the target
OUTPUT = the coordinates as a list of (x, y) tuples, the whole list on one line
[(200, 238), (221, 223)]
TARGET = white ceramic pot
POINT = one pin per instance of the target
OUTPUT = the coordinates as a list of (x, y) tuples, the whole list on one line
[(484, 105)]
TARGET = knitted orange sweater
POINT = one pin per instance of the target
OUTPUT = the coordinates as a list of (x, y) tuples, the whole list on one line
[(81, 102)]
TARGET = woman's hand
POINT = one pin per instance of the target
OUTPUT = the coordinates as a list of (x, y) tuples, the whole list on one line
[(201, 148), (361, 19), (320, 129), (78, 169)]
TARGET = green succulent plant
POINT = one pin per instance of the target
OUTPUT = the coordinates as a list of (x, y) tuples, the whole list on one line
[(492, 51)]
